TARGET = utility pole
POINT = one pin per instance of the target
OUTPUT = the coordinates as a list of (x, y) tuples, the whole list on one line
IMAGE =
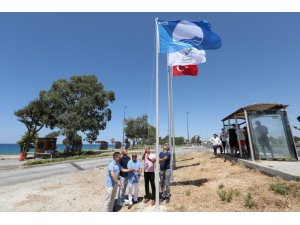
[(124, 123), (187, 126)]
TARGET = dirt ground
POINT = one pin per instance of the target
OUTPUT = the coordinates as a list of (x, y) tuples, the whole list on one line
[(197, 179)]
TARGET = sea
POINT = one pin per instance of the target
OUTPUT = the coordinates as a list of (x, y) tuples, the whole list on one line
[(12, 149)]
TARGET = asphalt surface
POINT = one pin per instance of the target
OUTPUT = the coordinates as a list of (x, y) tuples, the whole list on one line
[(17, 175)]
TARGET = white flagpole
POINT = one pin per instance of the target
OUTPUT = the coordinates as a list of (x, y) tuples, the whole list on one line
[(169, 117), (172, 123), (157, 123)]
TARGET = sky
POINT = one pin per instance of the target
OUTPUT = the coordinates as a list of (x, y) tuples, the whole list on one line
[(257, 63)]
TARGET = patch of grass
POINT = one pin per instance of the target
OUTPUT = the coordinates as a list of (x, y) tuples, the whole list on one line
[(280, 188), (47, 161), (236, 192), (188, 193), (249, 201), (294, 189), (222, 194), (221, 186), (226, 195)]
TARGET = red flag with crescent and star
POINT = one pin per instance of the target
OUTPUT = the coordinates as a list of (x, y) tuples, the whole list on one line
[(188, 70)]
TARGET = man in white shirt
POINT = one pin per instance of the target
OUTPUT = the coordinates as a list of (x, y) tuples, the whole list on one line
[(217, 143), (223, 137)]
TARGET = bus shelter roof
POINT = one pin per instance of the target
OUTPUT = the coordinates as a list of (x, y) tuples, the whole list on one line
[(252, 108)]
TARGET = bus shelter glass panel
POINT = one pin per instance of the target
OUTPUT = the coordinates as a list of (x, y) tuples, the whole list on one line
[(270, 135)]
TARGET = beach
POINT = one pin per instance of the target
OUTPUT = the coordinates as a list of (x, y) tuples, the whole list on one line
[(12, 156)]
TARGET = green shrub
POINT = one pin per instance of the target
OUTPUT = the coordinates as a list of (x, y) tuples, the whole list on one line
[(225, 196), (188, 193), (221, 186), (279, 188), (236, 192), (249, 201), (222, 194)]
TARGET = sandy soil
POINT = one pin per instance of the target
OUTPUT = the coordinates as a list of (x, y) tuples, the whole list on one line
[(196, 181), (201, 175)]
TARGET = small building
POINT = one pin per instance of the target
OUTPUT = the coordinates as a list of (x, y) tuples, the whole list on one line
[(118, 144), (103, 145), (268, 131), (44, 144)]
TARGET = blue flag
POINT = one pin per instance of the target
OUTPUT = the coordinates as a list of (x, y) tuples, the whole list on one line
[(179, 34)]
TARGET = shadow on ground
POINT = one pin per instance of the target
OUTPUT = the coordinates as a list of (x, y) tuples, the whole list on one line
[(198, 182), (186, 159), (194, 164)]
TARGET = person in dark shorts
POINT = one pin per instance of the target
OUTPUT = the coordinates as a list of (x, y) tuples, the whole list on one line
[(247, 141), (233, 142)]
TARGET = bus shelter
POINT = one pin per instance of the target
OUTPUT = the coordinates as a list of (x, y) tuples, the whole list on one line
[(268, 129)]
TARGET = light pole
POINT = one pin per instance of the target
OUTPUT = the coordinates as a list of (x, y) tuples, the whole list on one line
[(187, 126), (124, 123)]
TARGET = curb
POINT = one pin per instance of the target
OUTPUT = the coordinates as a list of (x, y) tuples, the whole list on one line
[(263, 169)]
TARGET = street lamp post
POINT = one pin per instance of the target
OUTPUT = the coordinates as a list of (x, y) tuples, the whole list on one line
[(124, 123), (187, 126)]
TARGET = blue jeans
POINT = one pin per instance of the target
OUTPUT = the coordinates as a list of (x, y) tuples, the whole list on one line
[(121, 194)]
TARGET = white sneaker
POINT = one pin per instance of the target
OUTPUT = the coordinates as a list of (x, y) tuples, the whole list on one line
[(130, 205)]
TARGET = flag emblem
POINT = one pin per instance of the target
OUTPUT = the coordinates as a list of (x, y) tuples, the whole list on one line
[(187, 56)]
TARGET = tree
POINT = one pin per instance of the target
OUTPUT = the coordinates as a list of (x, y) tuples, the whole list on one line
[(79, 104), (195, 139), (179, 140), (35, 115), (164, 141), (127, 143), (74, 145), (91, 137), (53, 134), (137, 129), (25, 138), (151, 135)]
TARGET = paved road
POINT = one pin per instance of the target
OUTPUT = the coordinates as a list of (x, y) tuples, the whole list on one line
[(20, 175), (9, 164)]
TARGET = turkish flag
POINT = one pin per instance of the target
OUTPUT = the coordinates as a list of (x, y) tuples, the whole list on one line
[(189, 70)]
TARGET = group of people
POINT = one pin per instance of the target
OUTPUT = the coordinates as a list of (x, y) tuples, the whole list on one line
[(124, 171), (235, 133), (220, 142)]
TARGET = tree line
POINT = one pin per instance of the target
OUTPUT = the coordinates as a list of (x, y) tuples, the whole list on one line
[(80, 104)]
